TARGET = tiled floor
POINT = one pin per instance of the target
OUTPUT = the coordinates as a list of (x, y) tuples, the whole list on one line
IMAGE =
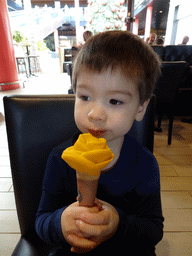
[(175, 167), (175, 163)]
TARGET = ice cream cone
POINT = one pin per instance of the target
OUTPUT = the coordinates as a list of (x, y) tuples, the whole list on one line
[(87, 188), (88, 157)]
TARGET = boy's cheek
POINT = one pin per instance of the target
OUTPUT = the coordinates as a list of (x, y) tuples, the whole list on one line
[(78, 110)]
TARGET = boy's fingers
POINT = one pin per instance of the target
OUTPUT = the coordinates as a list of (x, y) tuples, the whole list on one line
[(99, 218), (90, 230), (98, 204), (79, 210), (81, 242)]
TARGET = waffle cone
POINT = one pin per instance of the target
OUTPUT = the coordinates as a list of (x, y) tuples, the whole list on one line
[(85, 176), (87, 189)]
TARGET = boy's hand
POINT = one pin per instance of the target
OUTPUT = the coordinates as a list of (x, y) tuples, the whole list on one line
[(92, 227), (71, 231)]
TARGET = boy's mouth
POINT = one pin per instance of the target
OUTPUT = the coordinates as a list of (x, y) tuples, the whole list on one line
[(96, 133)]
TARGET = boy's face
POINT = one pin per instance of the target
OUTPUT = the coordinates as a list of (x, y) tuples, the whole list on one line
[(106, 104)]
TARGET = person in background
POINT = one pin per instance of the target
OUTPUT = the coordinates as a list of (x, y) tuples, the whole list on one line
[(159, 41), (185, 40), (152, 39), (86, 35)]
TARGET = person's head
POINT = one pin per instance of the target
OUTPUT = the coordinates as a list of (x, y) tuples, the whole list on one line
[(86, 35), (185, 40), (152, 38), (114, 76), (159, 41), (147, 40)]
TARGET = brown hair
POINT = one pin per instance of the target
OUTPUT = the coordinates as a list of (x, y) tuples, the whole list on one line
[(124, 50)]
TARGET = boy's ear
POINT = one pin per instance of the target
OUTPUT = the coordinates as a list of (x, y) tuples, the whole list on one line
[(141, 110)]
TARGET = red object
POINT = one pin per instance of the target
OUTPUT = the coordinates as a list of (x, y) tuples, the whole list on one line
[(8, 68)]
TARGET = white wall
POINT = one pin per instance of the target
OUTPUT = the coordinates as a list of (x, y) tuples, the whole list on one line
[(184, 18)]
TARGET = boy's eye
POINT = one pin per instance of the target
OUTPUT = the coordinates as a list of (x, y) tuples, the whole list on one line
[(85, 98), (115, 102)]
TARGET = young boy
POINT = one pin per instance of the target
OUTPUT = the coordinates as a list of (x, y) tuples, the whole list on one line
[(114, 76)]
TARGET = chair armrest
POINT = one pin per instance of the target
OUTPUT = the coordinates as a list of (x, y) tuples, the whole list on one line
[(26, 248)]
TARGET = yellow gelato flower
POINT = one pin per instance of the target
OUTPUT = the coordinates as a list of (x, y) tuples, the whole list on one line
[(88, 155)]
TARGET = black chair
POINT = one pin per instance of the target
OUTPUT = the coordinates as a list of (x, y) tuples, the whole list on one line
[(36, 124), (178, 53), (166, 89), (160, 50)]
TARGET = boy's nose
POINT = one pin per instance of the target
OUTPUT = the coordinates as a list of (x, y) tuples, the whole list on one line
[(97, 113)]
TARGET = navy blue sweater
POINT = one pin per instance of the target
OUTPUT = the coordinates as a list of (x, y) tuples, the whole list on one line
[(132, 186)]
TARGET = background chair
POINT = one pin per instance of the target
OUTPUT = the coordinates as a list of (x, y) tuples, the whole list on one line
[(166, 89), (36, 124), (160, 50)]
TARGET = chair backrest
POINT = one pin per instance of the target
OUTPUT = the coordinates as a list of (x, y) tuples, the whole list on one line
[(168, 84), (178, 53), (36, 124), (160, 50)]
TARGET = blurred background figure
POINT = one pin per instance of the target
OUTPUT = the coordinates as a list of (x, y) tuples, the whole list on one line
[(159, 41), (75, 49), (86, 35), (152, 39), (185, 40)]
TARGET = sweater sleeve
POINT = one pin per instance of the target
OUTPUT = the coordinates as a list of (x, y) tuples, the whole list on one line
[(56, 196)]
